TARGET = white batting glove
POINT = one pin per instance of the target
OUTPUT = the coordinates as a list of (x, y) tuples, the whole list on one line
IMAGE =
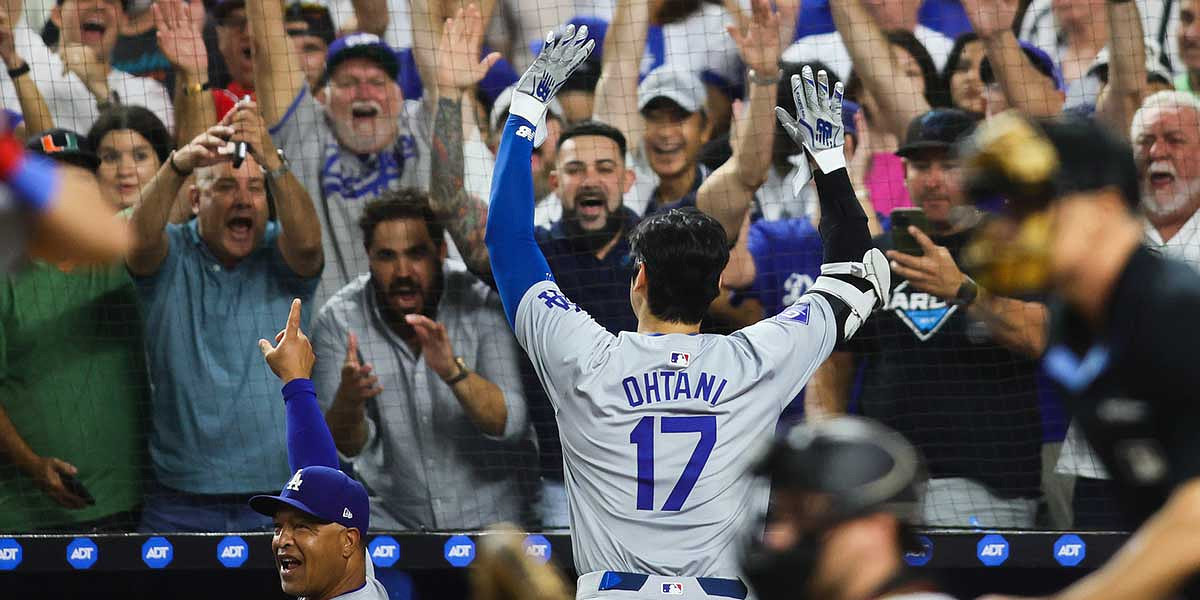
[(818, 123), (549, 71)]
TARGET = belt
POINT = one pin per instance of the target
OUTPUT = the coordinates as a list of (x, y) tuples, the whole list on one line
[(713, 586)]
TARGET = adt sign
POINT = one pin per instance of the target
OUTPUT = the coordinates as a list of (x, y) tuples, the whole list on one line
[(460, 551), (157, 552), (232, 551), (538, 548), (922, 558), (82, 553), (10, 554), (1069, 550), (992, 550), (385, 551)]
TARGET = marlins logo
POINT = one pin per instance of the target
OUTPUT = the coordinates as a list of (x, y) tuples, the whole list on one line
[(923, 313)]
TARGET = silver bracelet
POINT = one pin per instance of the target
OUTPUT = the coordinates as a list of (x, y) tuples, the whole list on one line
[(756, 80)]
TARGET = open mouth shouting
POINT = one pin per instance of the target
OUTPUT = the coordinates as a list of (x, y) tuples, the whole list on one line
[(590, 204), (363, 115), (92, 30), (241, 229), (405, 295), (1161, 176), (289, 566)]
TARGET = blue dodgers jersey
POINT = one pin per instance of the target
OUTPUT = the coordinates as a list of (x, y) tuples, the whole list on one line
[(787, 260), (659, 431)]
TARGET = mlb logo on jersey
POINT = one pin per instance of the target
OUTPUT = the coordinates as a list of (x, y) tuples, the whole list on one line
[(674, 589), (680, 359)]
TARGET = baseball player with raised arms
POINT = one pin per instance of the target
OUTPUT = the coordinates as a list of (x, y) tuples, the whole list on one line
[(660, 427)]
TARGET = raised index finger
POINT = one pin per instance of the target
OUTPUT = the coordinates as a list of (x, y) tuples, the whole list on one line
[(293, 322), (926, 244)]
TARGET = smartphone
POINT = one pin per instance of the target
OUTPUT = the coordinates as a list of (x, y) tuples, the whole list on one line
[(902, 240), (74, 486)]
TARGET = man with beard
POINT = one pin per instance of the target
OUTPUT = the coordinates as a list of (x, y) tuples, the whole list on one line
[(939, 328), (421, 394), (361, 139), (77, 80), (217, 433), (1166, 142)]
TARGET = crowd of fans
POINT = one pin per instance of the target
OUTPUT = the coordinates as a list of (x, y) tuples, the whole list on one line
[(342, 154)]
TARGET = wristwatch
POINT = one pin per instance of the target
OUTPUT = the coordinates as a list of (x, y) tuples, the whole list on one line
[(463, 371), (967, 293), (284, 165)]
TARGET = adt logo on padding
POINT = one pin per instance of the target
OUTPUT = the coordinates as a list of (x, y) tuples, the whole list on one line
[(10, 554), (385, 551), (232, 551), (157, 552), (82, 553), (992, 550), (538, 548), (460, 551), (922, 558), (1069, 550)]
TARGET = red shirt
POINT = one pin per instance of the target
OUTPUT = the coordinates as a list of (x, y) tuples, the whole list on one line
[(224, 99)]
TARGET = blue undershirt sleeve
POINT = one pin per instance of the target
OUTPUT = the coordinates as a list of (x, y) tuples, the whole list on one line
[(517, 260), (308, 439)]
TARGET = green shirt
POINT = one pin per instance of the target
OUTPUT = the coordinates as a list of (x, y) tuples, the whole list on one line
[(73, 381), (1183, 83)]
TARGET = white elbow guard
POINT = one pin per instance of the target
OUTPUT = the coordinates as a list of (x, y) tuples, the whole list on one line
[(873, 269)]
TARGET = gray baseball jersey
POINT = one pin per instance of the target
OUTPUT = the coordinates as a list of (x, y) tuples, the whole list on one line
[(659, 431)]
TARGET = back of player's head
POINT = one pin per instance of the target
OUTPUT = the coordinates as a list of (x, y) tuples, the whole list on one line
[(684, 252), (404, 203), (586, 128), (861, 465)]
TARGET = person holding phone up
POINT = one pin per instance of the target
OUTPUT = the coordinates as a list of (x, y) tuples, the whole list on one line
[(936, 370)]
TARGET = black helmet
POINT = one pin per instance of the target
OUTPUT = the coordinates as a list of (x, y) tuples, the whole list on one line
[(858, 467)]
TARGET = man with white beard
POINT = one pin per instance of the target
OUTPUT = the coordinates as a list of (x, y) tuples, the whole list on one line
[(1166, 141), (348, 140)]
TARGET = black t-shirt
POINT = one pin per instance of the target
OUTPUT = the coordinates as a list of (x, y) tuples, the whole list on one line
[(936, 375), (1134, 386)]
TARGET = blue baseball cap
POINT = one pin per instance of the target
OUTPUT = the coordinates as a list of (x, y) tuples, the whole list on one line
[(361, 45), (849, 110), (323, 492)]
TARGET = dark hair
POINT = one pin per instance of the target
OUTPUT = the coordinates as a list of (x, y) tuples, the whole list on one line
[(590, 127), (315, 17), (137, 118), (393, 205), (784, 147), (955, 56), (935, 93), (684, 252), (584, 77)]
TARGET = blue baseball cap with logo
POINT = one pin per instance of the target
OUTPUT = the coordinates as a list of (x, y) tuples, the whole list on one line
[(323, 492), (361, 45)]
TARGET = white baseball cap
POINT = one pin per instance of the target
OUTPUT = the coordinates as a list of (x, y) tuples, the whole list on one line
[(677, 84)]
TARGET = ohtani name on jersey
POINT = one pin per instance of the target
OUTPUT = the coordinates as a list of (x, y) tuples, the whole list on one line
[(670, 386)]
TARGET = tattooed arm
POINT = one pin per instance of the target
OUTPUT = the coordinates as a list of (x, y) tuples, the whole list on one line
[(458, 70), (462, 213)]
